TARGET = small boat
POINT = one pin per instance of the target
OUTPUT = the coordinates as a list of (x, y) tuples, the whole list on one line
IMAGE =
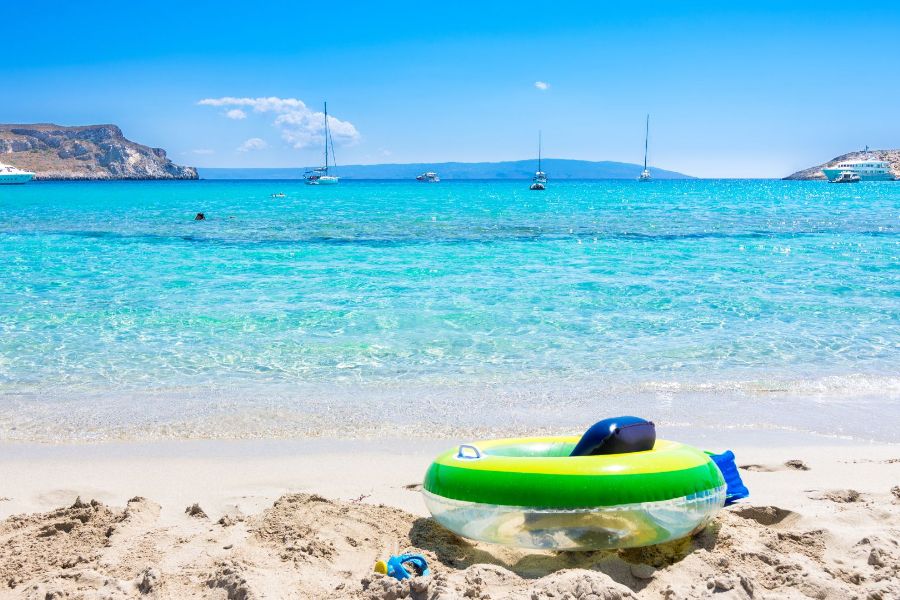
[(645, 174), (319, 175), (279, 195), (428, 177), (846, 177), (10, 174), (539, 181)]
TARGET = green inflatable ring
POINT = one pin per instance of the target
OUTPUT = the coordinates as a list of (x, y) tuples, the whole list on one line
[(529, 492)]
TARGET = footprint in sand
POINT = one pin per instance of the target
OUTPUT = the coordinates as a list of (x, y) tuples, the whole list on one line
[(757, 468), (887, 461), (842, 496), (768, 515), (795, 464)]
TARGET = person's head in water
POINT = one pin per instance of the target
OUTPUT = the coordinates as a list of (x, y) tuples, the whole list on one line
[(200, 217)]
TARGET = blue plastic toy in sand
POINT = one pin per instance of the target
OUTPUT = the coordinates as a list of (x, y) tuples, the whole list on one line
[(395, 568), (735, 488)]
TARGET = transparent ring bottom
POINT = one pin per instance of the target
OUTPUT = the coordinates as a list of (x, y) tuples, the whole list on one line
[(600, 528)]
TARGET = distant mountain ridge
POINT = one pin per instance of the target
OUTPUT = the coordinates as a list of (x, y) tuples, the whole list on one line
[(556, 168), (84, 152), (892, 157)]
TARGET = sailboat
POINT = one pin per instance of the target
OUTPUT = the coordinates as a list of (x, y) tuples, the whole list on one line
[(645, 174), (539, 181), (320, 176)]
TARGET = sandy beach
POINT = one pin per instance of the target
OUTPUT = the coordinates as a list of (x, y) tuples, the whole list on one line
[(308, 519)]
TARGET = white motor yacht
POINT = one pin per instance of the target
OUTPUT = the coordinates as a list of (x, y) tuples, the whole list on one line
[(10, 174), (428, 177), (868, 169)]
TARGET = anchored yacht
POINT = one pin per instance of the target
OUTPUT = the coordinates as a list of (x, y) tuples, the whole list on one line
[(868, 169), (645, 174), (319, 175), (539, 181), (10, 174), (428, 177)]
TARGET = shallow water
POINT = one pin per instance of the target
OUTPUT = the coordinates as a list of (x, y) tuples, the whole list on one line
[(463, 307)]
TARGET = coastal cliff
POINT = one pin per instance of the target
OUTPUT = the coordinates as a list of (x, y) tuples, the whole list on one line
[(892, 157), (85, 152)]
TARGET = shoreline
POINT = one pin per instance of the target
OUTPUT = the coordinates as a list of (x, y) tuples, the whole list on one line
[(257, 512), (851, 407), (40, 476)]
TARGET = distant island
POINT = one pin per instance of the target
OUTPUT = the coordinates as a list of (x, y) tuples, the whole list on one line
[(556, 168), (892, 157), (84, 152)]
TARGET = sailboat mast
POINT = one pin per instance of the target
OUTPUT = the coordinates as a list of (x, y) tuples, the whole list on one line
[(539, 150), (646, 139), (326, 138)]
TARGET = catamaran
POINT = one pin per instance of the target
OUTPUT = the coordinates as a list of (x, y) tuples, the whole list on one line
[(645, 174), (319, 175), (539, 181)]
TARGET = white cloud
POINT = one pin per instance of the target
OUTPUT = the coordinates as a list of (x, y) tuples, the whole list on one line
[(270, 104), (298, 125), (253, 144), (203, 151), (236, 113), (542, 85)]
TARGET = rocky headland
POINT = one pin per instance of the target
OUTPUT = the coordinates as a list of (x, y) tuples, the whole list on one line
[(84, 152), (891, 156)]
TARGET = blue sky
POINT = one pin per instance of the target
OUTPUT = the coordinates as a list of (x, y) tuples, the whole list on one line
[(735, 89)]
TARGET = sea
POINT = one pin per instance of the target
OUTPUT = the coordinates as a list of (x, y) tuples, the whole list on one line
[(458, 309)]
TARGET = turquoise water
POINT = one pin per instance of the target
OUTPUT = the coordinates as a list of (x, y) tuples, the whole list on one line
[(388, 307)]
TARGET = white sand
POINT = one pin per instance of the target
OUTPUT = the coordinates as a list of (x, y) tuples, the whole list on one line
[(802, 534)]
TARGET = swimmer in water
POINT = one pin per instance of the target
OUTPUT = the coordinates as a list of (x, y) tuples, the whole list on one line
[(200, 217)]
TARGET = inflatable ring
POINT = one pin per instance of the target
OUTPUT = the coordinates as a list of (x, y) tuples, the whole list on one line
[(530, 493)]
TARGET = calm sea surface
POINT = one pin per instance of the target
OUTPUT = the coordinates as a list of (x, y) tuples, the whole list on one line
[(388, 308)]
